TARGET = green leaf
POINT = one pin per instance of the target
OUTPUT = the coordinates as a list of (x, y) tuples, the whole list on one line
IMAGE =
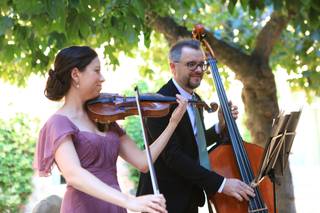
[(316, 35), (109, 52), (277, 4), (74, 3), (95, 4), (33, 7), (9, 53), (58, 24), (55, 8), (260, 4), (21, 32), (83, 6), (231, 5), (314, 17), (85, 30), (3, 6), (315, 4), (73, 25), (139, 8), (16, 137), (57, 39), (5, 24), (305, 2), (244, 3), (131, 35), (146, 36)]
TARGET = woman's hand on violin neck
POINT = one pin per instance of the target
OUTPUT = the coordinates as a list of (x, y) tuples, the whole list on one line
[(237, 189), (180, 110), (148, 203)]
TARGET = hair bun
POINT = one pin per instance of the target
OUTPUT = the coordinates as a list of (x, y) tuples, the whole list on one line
[(52, 73)]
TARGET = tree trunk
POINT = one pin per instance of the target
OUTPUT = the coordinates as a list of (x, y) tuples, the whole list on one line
[(261, 104), (285, 193), (259, 88)]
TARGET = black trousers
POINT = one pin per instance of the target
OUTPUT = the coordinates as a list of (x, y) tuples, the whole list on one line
[(193, 207)]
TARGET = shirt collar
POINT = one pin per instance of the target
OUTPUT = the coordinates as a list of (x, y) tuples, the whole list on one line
[(184, 93)]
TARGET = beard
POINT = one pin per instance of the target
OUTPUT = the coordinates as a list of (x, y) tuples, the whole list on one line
[(194, 83)]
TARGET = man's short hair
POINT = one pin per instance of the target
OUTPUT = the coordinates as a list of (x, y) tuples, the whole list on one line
[(176, 49)]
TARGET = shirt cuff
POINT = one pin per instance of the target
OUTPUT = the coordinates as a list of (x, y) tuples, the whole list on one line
[(222, 185), (217, 128)]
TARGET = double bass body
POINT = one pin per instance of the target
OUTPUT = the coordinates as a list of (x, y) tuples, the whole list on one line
[(223, 162)]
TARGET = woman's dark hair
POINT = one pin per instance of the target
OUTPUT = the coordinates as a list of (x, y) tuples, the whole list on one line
[(59, 80)]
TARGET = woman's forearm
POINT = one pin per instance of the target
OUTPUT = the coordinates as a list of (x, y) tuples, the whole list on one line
[(159, 144), (86, 182)]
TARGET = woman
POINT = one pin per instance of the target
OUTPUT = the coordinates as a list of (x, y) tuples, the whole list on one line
[(85, 156)]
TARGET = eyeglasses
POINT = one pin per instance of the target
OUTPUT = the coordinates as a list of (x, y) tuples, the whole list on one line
[(193, 65)]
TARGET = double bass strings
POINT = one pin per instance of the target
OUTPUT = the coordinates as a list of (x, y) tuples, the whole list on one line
[(246, 172)]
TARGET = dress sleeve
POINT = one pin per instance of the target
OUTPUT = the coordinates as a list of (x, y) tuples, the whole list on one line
[(50, 137), (114, 127)]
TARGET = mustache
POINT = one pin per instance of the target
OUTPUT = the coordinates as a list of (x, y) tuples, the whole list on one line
[(196, 75)]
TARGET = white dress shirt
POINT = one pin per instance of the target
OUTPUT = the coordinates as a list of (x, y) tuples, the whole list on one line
[(188, 96)]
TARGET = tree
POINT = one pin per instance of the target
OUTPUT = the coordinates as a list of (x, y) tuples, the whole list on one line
[(250, 37)]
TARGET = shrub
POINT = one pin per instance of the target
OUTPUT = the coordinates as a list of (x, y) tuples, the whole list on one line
[(17, 144), (133, 129)]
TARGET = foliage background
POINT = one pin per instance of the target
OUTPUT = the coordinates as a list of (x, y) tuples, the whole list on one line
[(17, 145)]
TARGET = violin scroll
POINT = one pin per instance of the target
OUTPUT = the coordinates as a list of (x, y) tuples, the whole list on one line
[(214, 106)]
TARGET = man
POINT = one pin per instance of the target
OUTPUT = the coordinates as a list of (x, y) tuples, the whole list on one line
[(180, 174)]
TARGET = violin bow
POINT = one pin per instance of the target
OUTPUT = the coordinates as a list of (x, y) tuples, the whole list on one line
[(149, 157)]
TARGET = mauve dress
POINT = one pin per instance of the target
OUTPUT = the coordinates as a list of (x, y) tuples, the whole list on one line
[(98, 154)]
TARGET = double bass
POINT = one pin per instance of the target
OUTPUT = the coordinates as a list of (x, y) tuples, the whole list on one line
[(239, 159)]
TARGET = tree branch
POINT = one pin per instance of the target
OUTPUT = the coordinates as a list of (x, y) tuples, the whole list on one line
[(168, 27), (269, 35), (233, 57)]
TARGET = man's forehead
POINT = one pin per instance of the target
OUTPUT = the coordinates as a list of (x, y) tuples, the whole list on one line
[(188, 52)]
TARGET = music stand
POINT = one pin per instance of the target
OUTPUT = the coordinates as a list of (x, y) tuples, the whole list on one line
[(277, 150)]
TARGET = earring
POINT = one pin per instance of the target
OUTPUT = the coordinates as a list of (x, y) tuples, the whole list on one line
[(78, 85)]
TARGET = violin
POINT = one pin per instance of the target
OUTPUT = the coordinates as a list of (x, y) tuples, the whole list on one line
[(107, 107)]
